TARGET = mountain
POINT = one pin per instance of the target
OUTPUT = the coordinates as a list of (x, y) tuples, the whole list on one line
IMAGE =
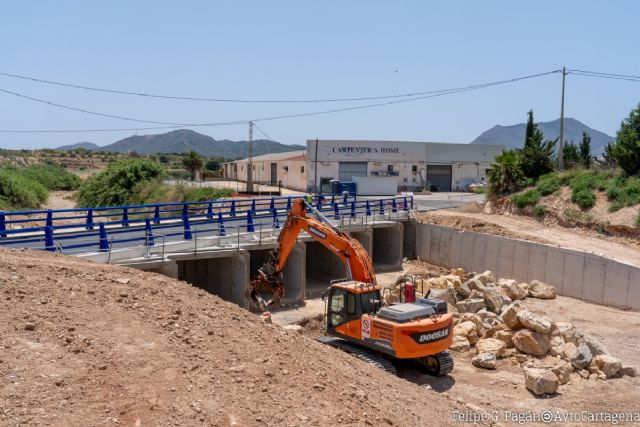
[(183, 140), (85, 145), (513, 136)]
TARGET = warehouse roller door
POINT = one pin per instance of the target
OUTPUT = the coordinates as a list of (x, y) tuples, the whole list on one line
[(440, 175), (347, 170)]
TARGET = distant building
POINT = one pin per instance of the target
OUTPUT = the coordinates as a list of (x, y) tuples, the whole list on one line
[(289, 169), (377, 166)]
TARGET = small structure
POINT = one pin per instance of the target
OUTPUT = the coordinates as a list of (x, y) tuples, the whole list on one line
[(289, 169)]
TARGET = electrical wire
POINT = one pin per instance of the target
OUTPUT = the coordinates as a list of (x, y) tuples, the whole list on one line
[(271, 118), (235, 100), (263, 132), (611, 76)]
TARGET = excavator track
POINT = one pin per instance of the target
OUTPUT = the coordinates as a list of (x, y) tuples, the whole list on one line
[(438, 365), (361, 353)]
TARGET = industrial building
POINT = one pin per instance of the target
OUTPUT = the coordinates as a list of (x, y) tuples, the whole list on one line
[(377, 167)]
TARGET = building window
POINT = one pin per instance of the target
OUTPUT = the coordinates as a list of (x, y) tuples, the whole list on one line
[(414, 168), (263, 166), (389, 168), (301, 169)]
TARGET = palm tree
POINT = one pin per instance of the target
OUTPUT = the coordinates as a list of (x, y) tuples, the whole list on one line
[(193, 163), (505, 175)]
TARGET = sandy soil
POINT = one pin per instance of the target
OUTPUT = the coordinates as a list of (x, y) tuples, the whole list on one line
[(85, 344), (60, 200), (525, 228)]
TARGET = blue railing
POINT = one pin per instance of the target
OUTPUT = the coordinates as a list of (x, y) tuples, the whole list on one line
[(100, 228)]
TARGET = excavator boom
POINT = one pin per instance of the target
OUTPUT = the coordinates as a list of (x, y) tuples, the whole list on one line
[(347, 248)]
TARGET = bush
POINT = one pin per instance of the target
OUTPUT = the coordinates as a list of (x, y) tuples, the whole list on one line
[(529, 197), (505, 175), (539, 211), (52, 177), (20, 192), (548, 184), (623, 192), (584, 197), (117, 184), (151, 192), (204, 194)]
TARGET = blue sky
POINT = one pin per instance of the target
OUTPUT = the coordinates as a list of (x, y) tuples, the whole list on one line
[(302, 49)]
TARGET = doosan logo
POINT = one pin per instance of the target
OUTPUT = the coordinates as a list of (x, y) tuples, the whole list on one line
[(427, 337), (317, 233)]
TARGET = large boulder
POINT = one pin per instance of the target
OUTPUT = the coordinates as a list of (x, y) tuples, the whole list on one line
[(534, 322), (541, 290), (540, 381), (463, 291), (468, 330), (531, 342), (510, 316), (447, 294), (581, 357), (630, 371), (493, 299), (506, 336), (484, 360), (557, 345), (511, 289), (470, 305), (475, 285), (566, 331), (567, 351), (608, 365), (460, 344), (491, 345), (486, 315), (562, 370), (486, 277), (443, 282), (595, 347)]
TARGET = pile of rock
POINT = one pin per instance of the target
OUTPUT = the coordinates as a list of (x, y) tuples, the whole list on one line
[(489, 318)]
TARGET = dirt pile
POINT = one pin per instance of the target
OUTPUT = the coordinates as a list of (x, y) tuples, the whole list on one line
[(89, 344), (491, 322)]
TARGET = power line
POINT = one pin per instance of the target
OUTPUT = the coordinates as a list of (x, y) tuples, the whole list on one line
[(237, 122), (263, 132), (611, 76), (190, 98)]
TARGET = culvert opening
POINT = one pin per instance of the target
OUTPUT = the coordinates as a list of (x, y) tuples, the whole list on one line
[(225, 277), (387, 248), (323, 266)]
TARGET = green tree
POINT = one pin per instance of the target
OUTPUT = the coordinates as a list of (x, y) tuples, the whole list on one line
[(193, 162), (212, 165), (626, 151), (537, 155), (570, 154), (607, 154), (163, 158), (505, 175), (585, 150)]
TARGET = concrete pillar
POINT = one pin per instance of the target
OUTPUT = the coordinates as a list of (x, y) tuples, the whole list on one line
[(409, 250), (294, 275), (365, 237), (387, 247), (322, 266), (168, 268)]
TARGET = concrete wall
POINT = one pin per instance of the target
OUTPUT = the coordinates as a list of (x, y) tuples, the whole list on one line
[(388, 247), (576, 274)]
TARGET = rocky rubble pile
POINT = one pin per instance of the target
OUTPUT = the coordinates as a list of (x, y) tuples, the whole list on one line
[(490, 320)]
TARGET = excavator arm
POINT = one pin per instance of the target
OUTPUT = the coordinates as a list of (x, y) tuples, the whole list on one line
[(347, 248)]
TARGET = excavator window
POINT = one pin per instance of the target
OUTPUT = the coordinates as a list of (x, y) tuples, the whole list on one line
[(371, 302), (351, 304), (336, 306)]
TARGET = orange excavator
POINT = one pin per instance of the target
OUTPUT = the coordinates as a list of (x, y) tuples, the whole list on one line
[(417, 330)]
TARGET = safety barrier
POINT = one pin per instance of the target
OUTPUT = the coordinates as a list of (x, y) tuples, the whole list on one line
[(89, 229)]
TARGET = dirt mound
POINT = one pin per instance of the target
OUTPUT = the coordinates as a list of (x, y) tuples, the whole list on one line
[(90, 344), (471, 207)]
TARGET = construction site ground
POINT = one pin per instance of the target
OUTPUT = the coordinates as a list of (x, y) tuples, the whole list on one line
[(526, 228)]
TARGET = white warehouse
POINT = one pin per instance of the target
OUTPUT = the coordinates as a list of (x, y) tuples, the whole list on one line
[(410, 165)]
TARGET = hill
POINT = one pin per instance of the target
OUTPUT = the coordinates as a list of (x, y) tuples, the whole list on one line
[(183, 140), (513, 136), (85, 145)]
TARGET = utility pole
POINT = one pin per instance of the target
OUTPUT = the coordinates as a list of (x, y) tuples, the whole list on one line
[(561, 145), (315, 169), (249, 188)]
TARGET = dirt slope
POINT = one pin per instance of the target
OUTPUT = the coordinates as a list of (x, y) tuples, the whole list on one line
[(87, 344)]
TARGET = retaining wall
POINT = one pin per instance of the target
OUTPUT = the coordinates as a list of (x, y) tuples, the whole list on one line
[(576, 274)]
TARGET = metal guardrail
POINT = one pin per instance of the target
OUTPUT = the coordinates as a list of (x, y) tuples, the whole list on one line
[(95, 229)]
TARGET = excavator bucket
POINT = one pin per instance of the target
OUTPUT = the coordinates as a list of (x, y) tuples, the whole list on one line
[(260, 286)]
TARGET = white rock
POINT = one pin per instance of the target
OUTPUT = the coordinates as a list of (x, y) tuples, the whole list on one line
[(541, 290), (534, 322), (484, 360), (540, 381)]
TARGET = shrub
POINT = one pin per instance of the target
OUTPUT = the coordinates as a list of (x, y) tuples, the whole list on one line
[(52, 177), (505, 175), (539, 211), (624, 192), (20, 192), (529, 197), (204, 194), (584, 197), (116, 184), (548, 184)]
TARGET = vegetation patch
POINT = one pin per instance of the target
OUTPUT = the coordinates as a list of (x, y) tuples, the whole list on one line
[(52, 177), (527, 198), (548, 184), (19, 192), (539, 211), (584, 197)]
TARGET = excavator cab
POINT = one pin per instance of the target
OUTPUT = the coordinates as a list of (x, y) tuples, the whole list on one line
[(345, 304)]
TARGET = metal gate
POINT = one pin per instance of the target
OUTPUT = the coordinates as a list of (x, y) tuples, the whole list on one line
[(440, 176), (347, 170)]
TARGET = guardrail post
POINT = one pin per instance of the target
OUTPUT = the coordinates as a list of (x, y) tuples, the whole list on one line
[(185, 222), (288, 203), (276, 224), (368, 208), (353, 209), (394, 207), (221, 231), (253, 207), (233, 208), (336, 211), (345, 199), (104, 242), (48, 239), (89, 222), (250, 227), (210, 210), (49, 221), (333, 199), (381, 207), (156, 215), (412, 203), (148, 233), (404, 204), (319, 202), (272, 205), (125, 217), (3, 225)]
